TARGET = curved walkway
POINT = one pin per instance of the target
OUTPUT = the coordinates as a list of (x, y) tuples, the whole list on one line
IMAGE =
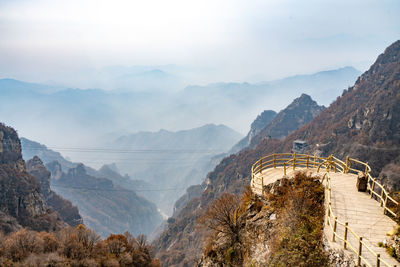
[(364, 215)]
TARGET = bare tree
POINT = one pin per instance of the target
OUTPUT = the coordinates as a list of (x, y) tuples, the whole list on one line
[(223, 217)]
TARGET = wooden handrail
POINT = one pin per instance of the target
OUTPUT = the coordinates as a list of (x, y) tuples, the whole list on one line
[(332, 163), (347, 230)]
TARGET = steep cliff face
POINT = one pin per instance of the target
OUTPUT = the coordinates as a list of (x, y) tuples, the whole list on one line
[(10, 148), (67, 211), (21, 202)]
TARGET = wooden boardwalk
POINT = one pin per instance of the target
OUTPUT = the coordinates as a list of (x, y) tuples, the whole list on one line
[(363, 214)]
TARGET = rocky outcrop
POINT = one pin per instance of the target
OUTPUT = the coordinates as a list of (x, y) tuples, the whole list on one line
[(36, 168), (22, 203), (10, 148), (193, 191), (67, 211), (256, 126)]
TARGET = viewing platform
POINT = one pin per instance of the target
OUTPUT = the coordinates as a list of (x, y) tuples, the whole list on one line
[(355, 221)]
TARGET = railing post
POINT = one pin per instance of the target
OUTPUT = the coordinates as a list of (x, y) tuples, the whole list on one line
[(294, 160), (329, 210), (334, 229), (381, 200), (315, 159), (366, 169), (284, 168), (372, 187), (384, 206), (378, 260), (359, 251), (308, 158), (261, 166), (345, 235), (274, 161)]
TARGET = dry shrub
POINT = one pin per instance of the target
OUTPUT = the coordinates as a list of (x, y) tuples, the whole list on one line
[(78, 246), (50, 242), (21, 244), (223, 218), (70, 245), (300, 212), (117, 244)]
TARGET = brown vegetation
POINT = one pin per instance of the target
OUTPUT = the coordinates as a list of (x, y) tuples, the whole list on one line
[(287, 224), (74, 247), (299, 205)]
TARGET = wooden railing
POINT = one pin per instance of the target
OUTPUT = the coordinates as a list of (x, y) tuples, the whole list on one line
[(376, 190), (331, 163), (350, 238)]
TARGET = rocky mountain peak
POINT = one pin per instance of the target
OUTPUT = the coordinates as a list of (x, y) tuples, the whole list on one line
[(305, 101), (10, 148), (36, 168), (260, 122), (300, 112), (22, 203)]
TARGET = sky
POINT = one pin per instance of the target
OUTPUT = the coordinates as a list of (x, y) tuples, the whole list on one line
[(223, 40)]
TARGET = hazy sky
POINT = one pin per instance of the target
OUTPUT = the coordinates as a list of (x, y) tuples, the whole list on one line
[(233, 40)]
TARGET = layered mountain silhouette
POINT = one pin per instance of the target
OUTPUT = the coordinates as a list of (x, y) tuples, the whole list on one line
[(106, 200), (172, 161), (105, 206), (95, 113)]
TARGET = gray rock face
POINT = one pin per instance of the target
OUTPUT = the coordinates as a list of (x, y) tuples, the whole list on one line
[(36, 168), (22, 203), (10, 148), (67, 211)]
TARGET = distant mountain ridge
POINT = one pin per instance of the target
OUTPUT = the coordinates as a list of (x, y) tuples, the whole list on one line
[(220, 137), (235, 104), (173, 160)]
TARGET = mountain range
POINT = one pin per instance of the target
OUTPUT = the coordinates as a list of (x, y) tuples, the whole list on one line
[(68, 117)]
